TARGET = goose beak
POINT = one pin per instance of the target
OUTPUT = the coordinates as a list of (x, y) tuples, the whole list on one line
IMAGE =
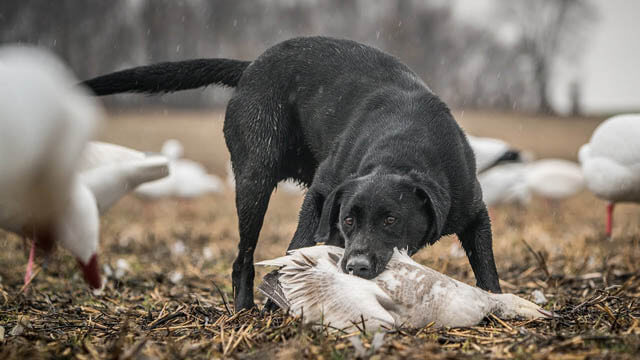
[(91, 272)]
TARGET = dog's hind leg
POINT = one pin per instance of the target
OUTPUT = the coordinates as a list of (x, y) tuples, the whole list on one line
[(253, 131), (477, 242), (253, 190)]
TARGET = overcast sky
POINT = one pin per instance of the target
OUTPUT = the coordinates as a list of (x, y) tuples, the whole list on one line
[(610, 66)]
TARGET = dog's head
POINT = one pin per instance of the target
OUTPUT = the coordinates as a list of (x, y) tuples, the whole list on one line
[(371, 215)]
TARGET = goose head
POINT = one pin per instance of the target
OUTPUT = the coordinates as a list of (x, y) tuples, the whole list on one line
[(370, 216), (172, 149)]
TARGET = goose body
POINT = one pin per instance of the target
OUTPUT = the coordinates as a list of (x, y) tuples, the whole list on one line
[(505, 184), (611, 162), (490, 152), (310, 283), (554, 179), (187, 178)]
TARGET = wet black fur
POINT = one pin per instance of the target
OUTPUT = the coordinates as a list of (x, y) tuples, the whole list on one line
[(357, 127)]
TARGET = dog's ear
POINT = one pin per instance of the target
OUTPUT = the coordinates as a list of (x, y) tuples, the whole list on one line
[(327, 231), (436, 201)]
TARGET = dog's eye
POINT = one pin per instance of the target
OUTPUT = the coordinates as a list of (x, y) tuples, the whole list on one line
[(348, 221), (389, 220)]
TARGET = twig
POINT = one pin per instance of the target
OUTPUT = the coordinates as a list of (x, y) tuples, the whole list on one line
[(224, 299)]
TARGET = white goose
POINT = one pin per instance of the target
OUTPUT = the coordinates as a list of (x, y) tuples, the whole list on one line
[(105, 173), (187, 178), (554, 179), (45, 122), (406, 294), (611, 162), (505, 184), (490, 152)]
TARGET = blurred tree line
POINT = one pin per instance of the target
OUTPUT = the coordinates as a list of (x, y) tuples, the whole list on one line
[(469, 65)]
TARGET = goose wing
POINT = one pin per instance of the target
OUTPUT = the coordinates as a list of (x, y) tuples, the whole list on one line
[(421, 295), (109, 183)]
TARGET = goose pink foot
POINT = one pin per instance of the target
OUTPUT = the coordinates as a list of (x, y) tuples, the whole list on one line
[(610, 207), (29, 273)]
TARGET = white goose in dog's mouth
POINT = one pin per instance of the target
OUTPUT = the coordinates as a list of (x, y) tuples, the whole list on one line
[(310, 283)]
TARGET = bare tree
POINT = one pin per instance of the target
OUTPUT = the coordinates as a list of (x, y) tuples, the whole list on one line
[(467, 64), (575, 98), (549, 30)]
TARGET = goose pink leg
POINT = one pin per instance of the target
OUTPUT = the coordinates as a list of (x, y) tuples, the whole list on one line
[(29, 272), (609, 218)]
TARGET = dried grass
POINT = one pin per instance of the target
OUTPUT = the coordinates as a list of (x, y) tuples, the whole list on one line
[(592, 283)]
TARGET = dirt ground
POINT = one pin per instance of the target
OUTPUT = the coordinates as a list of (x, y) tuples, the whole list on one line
[(172, 297)]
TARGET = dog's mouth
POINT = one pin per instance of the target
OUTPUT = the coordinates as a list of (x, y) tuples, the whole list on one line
[(377, 266), (381, 264)]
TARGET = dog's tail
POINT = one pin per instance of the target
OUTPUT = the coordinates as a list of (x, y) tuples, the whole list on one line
[(170, 76)]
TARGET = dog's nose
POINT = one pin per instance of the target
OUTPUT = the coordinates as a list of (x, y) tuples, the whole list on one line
[(359, 266)]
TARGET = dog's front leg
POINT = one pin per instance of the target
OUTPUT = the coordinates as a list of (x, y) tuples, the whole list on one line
[(477, 242), (308, 221)]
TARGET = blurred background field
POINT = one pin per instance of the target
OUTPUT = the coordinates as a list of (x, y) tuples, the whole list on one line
[(174, 254), (540, 75)]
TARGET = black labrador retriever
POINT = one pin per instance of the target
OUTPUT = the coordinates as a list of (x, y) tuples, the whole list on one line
[(385, 163)]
